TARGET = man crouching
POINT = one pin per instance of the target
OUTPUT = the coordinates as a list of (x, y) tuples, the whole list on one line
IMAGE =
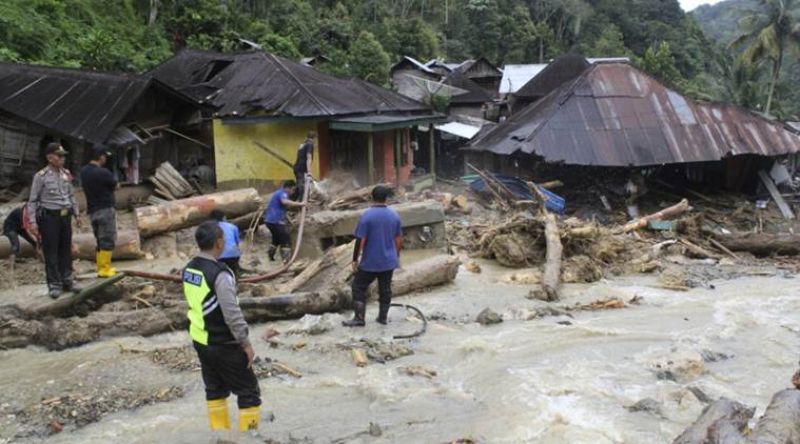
[(219, 333)]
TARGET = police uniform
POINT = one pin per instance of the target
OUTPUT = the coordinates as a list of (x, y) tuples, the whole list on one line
[(51, 208), (219, 331)]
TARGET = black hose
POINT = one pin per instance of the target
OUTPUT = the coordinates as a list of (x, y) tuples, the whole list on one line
[(417, 333)]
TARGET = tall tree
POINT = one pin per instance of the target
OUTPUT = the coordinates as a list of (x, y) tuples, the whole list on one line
[(368, 60), (768, 34)]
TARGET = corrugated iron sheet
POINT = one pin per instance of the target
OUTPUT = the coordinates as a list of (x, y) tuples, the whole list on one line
[(237, 84), (616, 115), (84, 105), (517, 76)]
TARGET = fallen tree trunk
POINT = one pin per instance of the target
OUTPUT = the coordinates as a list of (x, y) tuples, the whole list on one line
[(551, 278), (428, 273), (763, 244), (178, 214), (781, 420), (665, 214), (715, 417), (59, 333), (64, 304), (127, 246), (354, 198)]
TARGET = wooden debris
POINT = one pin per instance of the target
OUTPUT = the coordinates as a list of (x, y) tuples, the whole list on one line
[(292, 372), (169, 183), (65, 303), (551, 279), (723, 248), (473, 267), (359, 357), (128, 246), (698, 250), (667, 213), (330, 270), (418, 370), (763, 244), (354, 198), (786, 210)]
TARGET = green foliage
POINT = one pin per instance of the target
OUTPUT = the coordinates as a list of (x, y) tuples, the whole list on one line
[(129, 35), (660, 63), (439, 102), (368, 60)]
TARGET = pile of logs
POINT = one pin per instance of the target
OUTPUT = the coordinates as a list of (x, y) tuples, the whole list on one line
[(169, 183), (21, 327)]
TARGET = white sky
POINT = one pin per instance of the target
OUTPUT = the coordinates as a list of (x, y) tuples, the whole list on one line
[(688, 5)]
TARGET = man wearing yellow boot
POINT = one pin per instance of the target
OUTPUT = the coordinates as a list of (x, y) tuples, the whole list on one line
[(98, 185), (220, 333)]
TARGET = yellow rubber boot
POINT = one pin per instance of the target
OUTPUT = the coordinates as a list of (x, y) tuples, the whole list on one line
[(104, 268), (218, 414), (249, 418)]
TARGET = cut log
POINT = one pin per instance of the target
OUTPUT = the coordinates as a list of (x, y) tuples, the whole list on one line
[(325, 272), (722, 410), (551, 279), (428, 273), (763, 244), (781, 421), (665, 214), (127, 246), (178, 214)]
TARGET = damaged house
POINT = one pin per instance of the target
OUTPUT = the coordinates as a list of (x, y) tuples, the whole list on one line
[(141, 120), (611, 114), (264, 106)]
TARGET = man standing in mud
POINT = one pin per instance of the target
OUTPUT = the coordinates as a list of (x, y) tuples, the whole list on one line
[(220, 333), (51, 208), (99, 185), (379, 238)]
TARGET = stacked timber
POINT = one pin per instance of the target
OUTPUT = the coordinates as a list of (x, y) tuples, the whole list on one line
[(169, 183)]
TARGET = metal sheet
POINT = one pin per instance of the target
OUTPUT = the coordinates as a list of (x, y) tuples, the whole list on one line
[(615, 115)]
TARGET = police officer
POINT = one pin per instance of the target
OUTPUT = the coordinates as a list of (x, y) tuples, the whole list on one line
[(219, 333), (99, 184), (51, 208)]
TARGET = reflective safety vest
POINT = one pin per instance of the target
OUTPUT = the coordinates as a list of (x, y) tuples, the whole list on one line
[(206, 324)]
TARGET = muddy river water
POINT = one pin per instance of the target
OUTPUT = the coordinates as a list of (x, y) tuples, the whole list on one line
[(552, 379)]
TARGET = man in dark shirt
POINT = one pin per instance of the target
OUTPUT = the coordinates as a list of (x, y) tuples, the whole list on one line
[(302, 166), (99, 185), (13, 228), (379, 238)]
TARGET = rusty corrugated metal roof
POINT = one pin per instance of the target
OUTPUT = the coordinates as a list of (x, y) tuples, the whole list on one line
[(84, 105), (238, 84), (616, 115)]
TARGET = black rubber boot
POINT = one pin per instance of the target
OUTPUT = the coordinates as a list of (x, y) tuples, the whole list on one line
[(358, 315), (271, 253), (383, 313)]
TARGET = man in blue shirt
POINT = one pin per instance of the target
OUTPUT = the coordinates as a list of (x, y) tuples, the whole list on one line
[(379, 238), (230, 253), (275, 219)]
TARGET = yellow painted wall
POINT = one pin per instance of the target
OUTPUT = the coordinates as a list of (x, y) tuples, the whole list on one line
[(240, 162)]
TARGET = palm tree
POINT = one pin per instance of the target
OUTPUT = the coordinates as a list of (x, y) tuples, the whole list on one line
[(769, 34)]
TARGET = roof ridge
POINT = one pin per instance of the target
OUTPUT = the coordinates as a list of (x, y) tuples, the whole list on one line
[(71, 70), (297, 81)]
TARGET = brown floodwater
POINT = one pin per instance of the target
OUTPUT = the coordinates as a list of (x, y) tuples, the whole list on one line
[(554, 379)]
